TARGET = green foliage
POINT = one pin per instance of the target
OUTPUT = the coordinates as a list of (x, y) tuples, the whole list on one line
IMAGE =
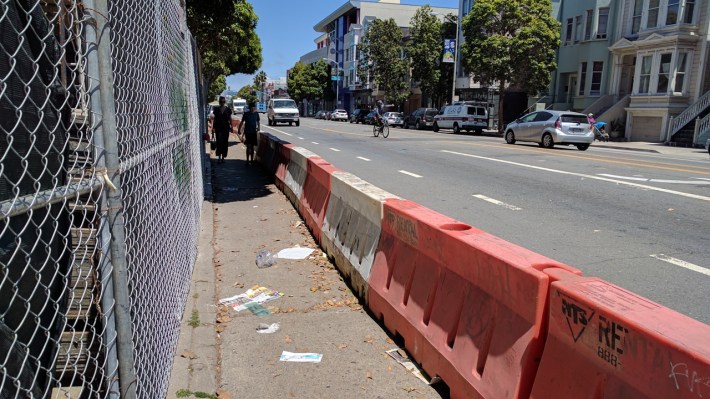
[(425, 51), (511, 43), (194, 319), (216, 88), (382, 51), (186, 393), (308, 81), (259, 79), (183, 393), (246, 93), (225, 32)]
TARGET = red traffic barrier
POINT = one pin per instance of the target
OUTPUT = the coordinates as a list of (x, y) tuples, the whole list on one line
[(316, 192), (471, 307), (606, 342)]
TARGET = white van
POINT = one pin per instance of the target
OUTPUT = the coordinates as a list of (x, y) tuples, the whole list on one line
[(239, 105), (462, 117), (282, 110)]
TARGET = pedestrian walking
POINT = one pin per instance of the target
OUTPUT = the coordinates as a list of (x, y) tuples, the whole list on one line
[(221, 128), (250, 123)]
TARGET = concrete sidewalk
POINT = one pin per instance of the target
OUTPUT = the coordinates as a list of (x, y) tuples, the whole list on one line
[(220, 354)]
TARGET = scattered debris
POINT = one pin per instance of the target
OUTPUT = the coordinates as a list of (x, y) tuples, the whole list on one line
[(255, 295), (265, 258), (295, 253), (401, 357), (188, 355), (287, 339), (264, 328), (300, 357)]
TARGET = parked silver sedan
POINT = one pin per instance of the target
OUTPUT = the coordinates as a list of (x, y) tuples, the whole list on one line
[(339, 115), (548, 128), (394, 118)]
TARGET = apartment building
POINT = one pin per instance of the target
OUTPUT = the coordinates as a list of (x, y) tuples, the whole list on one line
[(344, 29)]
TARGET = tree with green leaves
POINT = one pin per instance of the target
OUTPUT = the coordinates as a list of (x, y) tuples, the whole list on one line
[(260, 81), (382, 62), (425, 51), (511, 43), (308, 82), (225, 32), (247, 93), (216, 88)]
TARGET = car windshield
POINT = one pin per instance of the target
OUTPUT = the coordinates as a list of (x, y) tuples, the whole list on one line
[(431, 112), (574, 118), (284, 104), (339, 110)]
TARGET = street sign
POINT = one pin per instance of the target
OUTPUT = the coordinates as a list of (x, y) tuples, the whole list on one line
[(335, 77)]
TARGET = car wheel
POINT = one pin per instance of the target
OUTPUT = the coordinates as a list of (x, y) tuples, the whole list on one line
[(418, 126), (406, 125), (510, 137), (582, 147), (290, 123), (435, 128), (547, 141), (478, 131), (457, 129), (298, 123)]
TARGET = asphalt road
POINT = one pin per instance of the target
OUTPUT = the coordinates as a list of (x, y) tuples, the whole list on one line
[(638, 220)]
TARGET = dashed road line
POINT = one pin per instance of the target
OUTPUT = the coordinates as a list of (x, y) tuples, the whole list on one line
[(682, 263), (364, 159), (499, 203), (335, 149), (410, 174), (314, 142), (301, 138), (583, 175), (694, 182)]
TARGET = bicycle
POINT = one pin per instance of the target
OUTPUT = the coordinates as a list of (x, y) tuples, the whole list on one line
[(381, 126)]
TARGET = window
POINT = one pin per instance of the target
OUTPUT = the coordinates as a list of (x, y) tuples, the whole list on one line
[(645, 75), (568, 33), (597, 69), (636, 19), (672, 12), (664, 70), (688, 11), (602, 23), (588, 25), (542, 116), (652, 20), (680, 72), (577, 28), (582, 77)]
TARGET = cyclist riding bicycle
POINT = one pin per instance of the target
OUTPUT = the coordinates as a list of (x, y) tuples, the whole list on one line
[(380, 125)]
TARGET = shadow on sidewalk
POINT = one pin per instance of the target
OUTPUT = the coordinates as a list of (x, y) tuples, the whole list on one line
[(234, 180)]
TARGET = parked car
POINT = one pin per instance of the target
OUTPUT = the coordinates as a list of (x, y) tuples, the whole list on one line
[(548, 128), (369, 118), (421, 118), (394, 118), (339, 115), (320, 114), (327, 115), (461, 117), (358, 115)]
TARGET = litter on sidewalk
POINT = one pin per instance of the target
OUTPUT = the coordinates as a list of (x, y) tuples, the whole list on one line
[(255, 295), (401, 357), (264, 328), (300, 357), (295, 253)]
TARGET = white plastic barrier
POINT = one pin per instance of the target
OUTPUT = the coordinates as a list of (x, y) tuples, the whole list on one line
[(351, 230), (296, 174)]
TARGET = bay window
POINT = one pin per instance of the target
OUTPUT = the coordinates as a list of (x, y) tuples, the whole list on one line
[(652, 14), (636, 18), (680, 72), (645, 75), (652, 19), (602, 23), (588, 25), (672, 12), (662, 72), (597, 69)]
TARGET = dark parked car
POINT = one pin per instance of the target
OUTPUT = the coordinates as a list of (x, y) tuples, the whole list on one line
[(320, 114), (369, 118), (358, 115), (421, 118)]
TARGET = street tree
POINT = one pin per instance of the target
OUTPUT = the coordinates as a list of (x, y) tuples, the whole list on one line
[(382, 60), (510, 43), (216, 88), (225, 33), (425, 51), (260, 81), (248, 93), (308, 82)]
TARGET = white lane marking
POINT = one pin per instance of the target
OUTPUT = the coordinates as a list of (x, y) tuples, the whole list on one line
[(364, 159), (410, 174), (314, 142), (623, 177), (499, 203), (694, 182), (682, 263), (626, 183), (301, 138), (335, 149), (288, 134)]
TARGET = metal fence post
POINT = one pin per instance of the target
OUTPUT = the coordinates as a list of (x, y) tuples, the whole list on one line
[(105, 266), (127, 375)]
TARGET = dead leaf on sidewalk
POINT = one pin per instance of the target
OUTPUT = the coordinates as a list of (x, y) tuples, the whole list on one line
[(369, 374), (188, 355), (342, 346), (369, 339), (409, 389), (238, 284), (223, 319), (314, 289), (220, 328), (287, 339), (389, 341), (223, 394)]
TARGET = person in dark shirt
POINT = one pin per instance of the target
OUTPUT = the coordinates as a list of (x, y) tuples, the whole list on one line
[(222, 126), (250, 122)]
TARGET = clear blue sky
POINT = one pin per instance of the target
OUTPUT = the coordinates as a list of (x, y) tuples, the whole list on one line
[(285, 28)]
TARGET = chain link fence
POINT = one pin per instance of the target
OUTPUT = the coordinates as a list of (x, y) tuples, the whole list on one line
[(100, 192)]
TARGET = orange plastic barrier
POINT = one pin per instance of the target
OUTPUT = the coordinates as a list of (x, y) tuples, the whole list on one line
[(471, 307), (316, 192), (606, 342)]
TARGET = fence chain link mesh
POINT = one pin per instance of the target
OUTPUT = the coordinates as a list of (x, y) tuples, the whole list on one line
[(58, 333)]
